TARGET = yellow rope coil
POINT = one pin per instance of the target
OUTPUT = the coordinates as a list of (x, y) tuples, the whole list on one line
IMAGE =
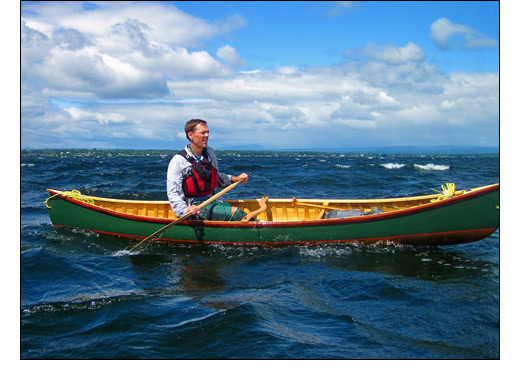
[(74, 194), (448, 191)]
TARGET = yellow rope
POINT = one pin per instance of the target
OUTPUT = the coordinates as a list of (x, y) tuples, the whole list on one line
[(74, 194), (448, 191)]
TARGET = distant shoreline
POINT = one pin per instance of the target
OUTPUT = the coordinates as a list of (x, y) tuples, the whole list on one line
[(375, 150)]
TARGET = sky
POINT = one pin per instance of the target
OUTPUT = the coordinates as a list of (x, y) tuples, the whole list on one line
[(264, 75)]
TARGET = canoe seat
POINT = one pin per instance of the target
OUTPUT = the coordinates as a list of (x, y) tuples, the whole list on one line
[(263, 206)]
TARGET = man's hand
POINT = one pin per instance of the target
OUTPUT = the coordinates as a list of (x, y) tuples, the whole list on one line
[(243, 177), (193, 209)]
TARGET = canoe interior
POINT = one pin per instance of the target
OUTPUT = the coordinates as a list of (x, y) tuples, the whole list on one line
[(278, 210)]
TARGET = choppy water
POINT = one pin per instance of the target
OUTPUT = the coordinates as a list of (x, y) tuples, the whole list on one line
[(84, 297)]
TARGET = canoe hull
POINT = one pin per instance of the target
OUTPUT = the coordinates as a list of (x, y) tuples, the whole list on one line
[(463, 219)]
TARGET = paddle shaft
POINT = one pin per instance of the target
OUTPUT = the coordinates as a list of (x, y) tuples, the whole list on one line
[(200, 206), (296, 203)]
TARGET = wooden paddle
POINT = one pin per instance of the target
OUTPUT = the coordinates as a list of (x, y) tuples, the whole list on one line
[(200, 206), (296, 203)]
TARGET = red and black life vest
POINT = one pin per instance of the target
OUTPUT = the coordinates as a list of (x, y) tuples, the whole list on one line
[(202, 178)]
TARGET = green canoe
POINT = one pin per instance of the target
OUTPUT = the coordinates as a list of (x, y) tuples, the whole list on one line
[(449, 218)]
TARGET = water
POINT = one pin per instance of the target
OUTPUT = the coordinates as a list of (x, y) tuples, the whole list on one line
[(84, 297)]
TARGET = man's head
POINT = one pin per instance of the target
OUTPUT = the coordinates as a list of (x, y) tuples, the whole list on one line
[(192, 124), (197, 133)]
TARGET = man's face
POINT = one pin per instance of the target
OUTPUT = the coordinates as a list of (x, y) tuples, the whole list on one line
[(200, 136)]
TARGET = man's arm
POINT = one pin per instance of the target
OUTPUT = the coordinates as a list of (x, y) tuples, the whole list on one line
[(174, 186)]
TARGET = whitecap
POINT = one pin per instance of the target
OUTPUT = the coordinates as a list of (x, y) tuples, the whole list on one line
[(123, 252), (342, 166), (392, 166), (432, 167)]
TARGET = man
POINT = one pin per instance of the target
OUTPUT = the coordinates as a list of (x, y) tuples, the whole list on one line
[(193, 175)]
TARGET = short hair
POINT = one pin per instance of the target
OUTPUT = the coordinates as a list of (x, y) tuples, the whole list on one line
[(191, 124)]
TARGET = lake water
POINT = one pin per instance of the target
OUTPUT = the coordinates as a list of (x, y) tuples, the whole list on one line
[(84, 297)]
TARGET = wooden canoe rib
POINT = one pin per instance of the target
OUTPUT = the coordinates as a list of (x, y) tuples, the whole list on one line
[(467, 216)]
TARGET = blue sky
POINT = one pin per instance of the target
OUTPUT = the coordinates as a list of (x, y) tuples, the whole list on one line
[(265, 75), (316, 33)]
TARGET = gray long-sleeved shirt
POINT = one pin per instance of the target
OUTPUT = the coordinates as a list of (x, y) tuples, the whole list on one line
[(178, 168)]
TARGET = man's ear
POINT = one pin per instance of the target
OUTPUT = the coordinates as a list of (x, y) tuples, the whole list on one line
[(190, 135)]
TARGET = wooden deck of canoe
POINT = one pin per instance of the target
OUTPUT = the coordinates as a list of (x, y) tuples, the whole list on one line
[(278, 210)]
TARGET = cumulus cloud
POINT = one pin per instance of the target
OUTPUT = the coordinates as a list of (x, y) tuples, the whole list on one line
[(230, 55), (395, 54), (448, 35), (168, 25), (118, 50), (133, 72)]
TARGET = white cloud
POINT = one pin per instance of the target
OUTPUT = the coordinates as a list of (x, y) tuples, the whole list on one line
[(395, 54), (118, 49), (448, 35), (78, 114), (339, 7), (170, 25), (230, 55)]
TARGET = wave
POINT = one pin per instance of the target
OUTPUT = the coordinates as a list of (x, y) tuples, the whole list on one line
[(79, 303), (432, 167), (392, 166), (342, 166)]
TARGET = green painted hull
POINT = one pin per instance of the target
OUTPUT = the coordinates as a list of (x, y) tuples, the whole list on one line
[(462, 219)]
